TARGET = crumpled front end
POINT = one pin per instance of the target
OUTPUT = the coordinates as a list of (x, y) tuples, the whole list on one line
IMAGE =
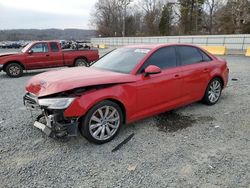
[(52, 121)]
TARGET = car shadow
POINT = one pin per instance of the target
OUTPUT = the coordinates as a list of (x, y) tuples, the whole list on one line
[(28, 73), (168, 122), (25, 74), (33, 73)]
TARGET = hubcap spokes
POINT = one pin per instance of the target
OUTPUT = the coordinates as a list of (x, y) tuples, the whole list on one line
[(14, 70), (214, 91), (104, 123), (81, 63)]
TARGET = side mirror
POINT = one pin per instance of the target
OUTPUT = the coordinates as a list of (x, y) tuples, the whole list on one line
[(152, 69), (30, 52)]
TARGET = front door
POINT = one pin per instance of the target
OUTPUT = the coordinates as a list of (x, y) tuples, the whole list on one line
[(37, 56), (160, 91)]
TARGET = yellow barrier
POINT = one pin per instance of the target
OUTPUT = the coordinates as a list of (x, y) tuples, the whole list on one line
[(102, 46), (248, 52), (216, 50)]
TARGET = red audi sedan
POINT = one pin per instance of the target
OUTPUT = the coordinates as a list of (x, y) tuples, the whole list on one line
[(127, 84)]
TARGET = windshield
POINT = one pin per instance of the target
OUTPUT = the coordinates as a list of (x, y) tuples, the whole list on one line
[(26, 47), (121, 60)]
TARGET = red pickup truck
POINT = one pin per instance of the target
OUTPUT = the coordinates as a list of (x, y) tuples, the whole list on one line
[(44, 54)]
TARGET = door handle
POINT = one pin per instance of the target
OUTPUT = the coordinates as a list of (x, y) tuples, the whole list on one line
[(47, 55), (205, 70), (177, 76)]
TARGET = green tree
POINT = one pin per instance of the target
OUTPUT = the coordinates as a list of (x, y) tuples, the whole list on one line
[(166, 19), (233, 17), (191, 12)]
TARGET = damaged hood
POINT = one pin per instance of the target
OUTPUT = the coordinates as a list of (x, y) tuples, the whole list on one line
[(53, 82)]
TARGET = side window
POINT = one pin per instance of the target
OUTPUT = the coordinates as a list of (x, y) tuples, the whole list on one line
[(189, 55), (40, 48), (205, 56), (54, 47), (163, 58)]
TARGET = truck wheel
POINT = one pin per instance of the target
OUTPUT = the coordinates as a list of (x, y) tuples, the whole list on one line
[(81, 62), (102, 122), (14, 70)]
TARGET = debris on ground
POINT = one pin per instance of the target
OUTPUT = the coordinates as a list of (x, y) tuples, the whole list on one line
[(234, 79), (132, 168), (123, 142)]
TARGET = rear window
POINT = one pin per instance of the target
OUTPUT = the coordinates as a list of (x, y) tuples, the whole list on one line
[(54, 47), (205, 56), (189, 55)]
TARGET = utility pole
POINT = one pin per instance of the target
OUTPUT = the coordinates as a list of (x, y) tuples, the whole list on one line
[(124, 21), (125, 3), (196, 18)]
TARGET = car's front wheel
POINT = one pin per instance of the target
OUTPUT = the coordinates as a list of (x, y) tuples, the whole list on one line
[(102, 122), (14, 70), (213, 92)]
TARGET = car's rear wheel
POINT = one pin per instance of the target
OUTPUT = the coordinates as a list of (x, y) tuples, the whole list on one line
[(102, 122), (14, 70), (213, 92), (81, 62)]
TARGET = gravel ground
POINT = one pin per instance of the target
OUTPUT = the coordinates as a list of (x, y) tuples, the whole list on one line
[(195, 146)]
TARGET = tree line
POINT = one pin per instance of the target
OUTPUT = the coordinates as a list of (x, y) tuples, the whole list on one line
[(46, 34), (115, 18)]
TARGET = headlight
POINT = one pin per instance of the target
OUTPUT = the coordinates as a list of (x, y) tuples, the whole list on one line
[(56, 103)]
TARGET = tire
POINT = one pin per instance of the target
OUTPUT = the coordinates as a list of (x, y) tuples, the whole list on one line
[(81, 62), (97, 126), (14, 70), (213, 92)]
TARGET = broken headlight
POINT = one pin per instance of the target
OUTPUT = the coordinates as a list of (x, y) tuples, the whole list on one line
[(56, 103)]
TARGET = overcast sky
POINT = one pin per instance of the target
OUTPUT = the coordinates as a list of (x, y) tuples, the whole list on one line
[(41, 14)]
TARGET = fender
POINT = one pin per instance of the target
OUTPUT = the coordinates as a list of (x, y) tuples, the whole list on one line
[(121, 93), (5, 64), (81, 57), (220, 72)]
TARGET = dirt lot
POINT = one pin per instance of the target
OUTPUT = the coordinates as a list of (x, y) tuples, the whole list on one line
[(195, 146)]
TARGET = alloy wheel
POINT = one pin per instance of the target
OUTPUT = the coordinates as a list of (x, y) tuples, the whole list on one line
[(214, 91), (104, 123)]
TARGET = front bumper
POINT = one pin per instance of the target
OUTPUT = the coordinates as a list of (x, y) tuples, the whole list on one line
[(51, 122)]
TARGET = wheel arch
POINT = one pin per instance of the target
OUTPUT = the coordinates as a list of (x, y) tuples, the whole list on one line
[(118, 102), (220, 78), (81, 57), (13, 61), (122, 106)]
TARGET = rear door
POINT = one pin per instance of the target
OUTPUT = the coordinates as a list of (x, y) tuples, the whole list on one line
[(56, 56), (38, 56), (159, 91), (196, 66)]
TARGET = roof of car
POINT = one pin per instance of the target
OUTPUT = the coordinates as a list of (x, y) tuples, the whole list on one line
[(153, 46), (45, 41)]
